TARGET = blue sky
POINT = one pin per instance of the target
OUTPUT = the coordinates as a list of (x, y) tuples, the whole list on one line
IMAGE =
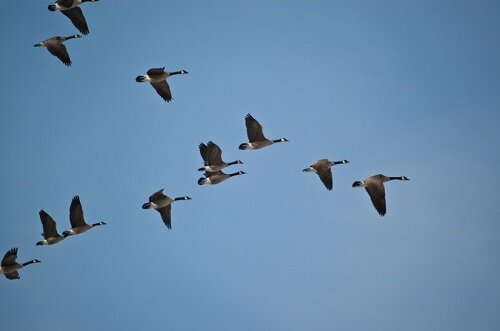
[(395, 87)]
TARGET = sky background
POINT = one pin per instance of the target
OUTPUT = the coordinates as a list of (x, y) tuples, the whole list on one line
[(395, 87)]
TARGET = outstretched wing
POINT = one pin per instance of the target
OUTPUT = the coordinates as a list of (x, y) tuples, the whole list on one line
[(214, 153), (163, 90), (59, 51), (12, 275), (165, 215), (254, 129), (203, 152), (75, 14), (10, 257), (49, 225), (76, 213), (377, 195)]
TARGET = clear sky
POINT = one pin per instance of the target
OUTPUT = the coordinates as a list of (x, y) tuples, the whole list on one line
[(396, 87)]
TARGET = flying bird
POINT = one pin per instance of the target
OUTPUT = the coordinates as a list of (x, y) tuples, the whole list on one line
[(49, 230), (216, 177), (56, 47), (71, 9), (76, 219), (157, 77), (212, 157), (323, 169), (9, 265), (163, 204), (255, 135), (374, 185)]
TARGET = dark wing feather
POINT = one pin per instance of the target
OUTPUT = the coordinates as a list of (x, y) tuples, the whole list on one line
[(10, 257), (214, 153), (165, 215), (49, 225), (203, 152), (325, 174), (76, 16), (76, 213), (59, 50), (154, 71), (163, 90), (12, 275), (157, 196), (377, 195), (65, 3), (254, 129)]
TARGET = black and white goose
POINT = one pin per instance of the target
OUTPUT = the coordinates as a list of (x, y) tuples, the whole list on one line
[(49, 230), (56, 47), (163, 204), (256, 138), (157, 77), (9, 265), (76, 219), (374, 185), (72, 10), (212, 157), (323, 169), (216, 177)]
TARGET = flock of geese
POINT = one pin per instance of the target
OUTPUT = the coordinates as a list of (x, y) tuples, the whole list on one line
[(210, 153)]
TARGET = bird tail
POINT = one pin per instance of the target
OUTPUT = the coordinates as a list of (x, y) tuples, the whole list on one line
[(201, 169), (357, 184), (140, 79), (52, 7), (202, 181), (147, 205)]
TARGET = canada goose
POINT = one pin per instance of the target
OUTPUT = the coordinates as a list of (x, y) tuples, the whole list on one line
[(71, 9), (256, 136), (216, 177), (374, 185), (163, 204), (322, 168), (158, 79), (49, 230), (10, 266), (212, 157), (55, 47), (76, 219)]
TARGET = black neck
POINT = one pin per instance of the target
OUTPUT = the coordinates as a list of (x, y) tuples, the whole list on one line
[(181, 198), (234, 174), (392, 178), (99, 223), (231, 163), (29, 262), (175, 73)]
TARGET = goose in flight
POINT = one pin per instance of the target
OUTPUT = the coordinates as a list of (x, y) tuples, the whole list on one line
[(72, 10), (163, 204), (374, 185), (56, 47), (256, 138), (9, 265), (157, 77), (323, 169)]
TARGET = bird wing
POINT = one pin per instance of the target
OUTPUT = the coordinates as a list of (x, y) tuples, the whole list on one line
[(165, 215), (10, 257), (163, 90), (203, 152), (325, 174), (49, 225), (157, 196), (214, 153), (154, 71), (59, 50), (377, 195), (254, 129), (75, 14), (76, 213), (65, 3), (12, 275)]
